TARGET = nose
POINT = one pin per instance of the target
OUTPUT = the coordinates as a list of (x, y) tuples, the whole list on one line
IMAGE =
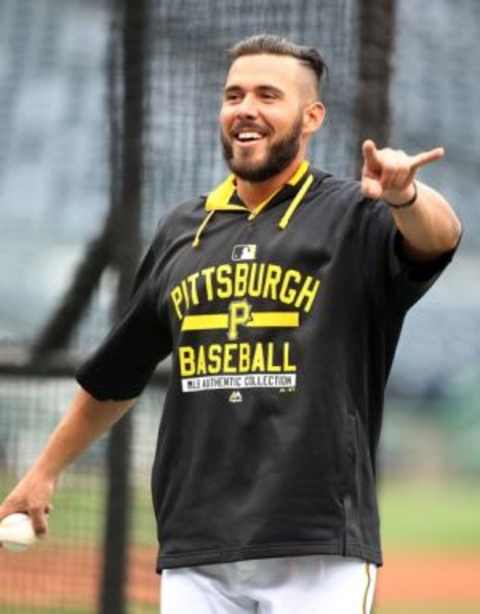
[(247, 107)]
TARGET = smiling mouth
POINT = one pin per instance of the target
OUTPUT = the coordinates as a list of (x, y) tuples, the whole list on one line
[(248, 136)]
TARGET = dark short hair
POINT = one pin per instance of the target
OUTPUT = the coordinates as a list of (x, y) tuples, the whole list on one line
[(277, 45)]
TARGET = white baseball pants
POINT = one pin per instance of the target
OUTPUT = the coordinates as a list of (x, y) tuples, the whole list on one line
[(286, 585)]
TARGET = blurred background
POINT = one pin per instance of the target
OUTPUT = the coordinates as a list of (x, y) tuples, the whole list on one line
[(108, 113)]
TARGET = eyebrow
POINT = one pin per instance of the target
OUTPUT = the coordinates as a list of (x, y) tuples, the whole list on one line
[(258, 88)]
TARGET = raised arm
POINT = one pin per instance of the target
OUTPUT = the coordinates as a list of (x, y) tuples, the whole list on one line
[(85, 421), (425, 219)]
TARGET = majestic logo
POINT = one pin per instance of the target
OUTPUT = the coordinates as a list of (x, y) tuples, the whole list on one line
[(244, 252), (235, 397)]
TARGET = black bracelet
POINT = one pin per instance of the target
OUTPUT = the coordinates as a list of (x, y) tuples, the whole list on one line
[(409, 203)]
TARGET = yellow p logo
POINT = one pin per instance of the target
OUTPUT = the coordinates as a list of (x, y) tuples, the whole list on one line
[(239, 314)]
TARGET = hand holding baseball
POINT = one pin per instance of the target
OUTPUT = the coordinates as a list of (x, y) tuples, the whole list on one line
[(389, 173), (25, 511)]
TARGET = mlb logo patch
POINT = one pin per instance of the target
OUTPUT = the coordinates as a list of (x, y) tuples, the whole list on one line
[(244, 252)]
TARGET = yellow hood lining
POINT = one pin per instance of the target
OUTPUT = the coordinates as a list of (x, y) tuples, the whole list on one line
[(219, 200)]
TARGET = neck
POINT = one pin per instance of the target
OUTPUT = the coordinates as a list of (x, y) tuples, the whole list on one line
[(252, 194)]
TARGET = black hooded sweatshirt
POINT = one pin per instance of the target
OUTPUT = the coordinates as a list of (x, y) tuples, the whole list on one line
[(282, 324)]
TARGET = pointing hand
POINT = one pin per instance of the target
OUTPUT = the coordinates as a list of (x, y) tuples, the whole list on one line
[(389, 173)]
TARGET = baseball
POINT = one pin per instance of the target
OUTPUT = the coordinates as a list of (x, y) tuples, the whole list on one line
[(16, 532)]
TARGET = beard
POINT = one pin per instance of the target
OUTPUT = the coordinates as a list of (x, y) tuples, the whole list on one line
[(278, 156)]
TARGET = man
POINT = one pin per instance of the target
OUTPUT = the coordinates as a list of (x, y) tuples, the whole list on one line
[(281, 296)]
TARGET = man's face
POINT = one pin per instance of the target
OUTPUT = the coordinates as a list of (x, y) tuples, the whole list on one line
[(262, 118)]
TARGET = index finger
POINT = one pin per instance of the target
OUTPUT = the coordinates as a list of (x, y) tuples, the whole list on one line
[(426, 157)]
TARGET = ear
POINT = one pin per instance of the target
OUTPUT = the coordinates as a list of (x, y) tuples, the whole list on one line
[(313, 116)]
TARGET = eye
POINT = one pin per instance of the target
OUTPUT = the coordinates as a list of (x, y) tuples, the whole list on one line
[(232, 96), (268, 95)]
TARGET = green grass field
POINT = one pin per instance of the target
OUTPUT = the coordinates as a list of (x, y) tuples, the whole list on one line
[(430, 516)]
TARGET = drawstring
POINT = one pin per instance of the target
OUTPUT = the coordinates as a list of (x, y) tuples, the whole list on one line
[(201, 228), (283, 223)]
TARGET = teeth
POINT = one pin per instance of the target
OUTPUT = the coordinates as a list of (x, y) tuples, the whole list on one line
[(247, 136)]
